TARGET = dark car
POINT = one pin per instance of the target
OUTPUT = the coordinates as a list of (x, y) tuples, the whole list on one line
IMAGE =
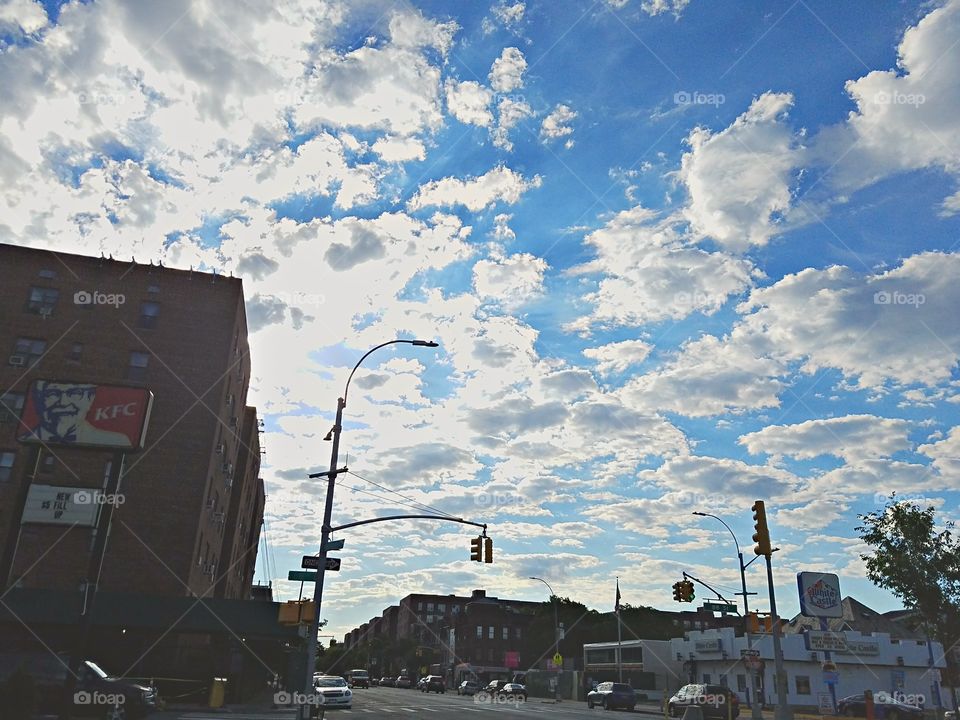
[(404, 681), (433, 683), (886, 707), (468, 687), (611, 695), (358, 679), (388, 681), (95, 692), (514, 691), (493, 687), (716, 701)]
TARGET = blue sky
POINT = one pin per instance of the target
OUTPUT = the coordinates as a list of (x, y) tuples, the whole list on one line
[(679, 256)]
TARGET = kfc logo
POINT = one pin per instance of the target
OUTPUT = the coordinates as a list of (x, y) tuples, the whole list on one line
[(85, 415)]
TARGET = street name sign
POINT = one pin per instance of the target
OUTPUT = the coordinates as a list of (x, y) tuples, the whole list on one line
[(333, 545), (720, 607), (302, 575)]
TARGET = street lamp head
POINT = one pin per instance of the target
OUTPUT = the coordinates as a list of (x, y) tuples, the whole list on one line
[(695, 512), (425, 343)]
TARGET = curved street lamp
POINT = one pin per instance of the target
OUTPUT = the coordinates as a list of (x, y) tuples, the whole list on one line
[(754, 707), (334, 434), (556, 624)]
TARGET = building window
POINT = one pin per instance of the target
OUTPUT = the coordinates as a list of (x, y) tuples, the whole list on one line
[(430, 607), (149, 312), (47, 274), (76, 352), (6, 465), (42, 300), (47, 462), (153, 289), (479, 632), (490, 632), (742, 683), (505, 633), (30, 349), (11, 403), (517, 631), (441, 608), (803, 684), (706, 678), (419, 606), (137, 369)]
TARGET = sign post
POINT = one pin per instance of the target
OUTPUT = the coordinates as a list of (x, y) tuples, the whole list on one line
[(820, 598)]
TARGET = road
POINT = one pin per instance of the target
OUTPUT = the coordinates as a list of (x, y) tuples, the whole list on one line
[(381, 703)]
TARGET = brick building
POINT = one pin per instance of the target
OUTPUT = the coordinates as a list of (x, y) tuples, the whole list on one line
[(193, 500), (192, 505)]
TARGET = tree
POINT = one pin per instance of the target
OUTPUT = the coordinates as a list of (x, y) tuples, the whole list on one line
[(918, 562)]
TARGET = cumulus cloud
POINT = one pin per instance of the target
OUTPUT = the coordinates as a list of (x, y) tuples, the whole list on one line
[(469, 102), (618, 356), (852, 437), (506, 73), (501, 184), (509, 113), (28, 16), (739, 179), (511, 280), (557, 123)]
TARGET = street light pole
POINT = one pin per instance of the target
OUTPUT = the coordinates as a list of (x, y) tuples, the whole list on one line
[(334, 434), (755, 711), (556, 629)]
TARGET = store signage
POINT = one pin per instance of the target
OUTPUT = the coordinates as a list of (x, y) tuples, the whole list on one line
[(53, 505), (819, 595)]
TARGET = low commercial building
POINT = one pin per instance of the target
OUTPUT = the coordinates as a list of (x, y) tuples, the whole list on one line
[(862, 661)]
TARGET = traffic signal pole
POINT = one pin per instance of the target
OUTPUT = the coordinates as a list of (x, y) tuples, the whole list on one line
[(783, 711)]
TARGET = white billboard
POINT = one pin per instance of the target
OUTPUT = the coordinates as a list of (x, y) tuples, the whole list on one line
[(53, 505), (819, 595)]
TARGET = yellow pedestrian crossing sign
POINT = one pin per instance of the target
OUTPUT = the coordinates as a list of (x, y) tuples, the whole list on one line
[(558, 659)]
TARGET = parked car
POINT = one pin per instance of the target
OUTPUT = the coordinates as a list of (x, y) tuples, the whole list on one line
[(712, 699), (335, 691), (421, 682), (404, 681), (514, 691), (468, 687), (491, 689), (433, 683), (374, 682), (611, 695), (358, 678), (95, 692), (388, 681), (886, 707)]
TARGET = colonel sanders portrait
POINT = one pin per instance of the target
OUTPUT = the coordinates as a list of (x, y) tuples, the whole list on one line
[(63, 409)]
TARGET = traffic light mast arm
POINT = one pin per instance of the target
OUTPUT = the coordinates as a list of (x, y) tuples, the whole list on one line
[(411, 517), (687, 576)]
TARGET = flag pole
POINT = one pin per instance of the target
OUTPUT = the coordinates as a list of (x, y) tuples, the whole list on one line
[(619, 648)]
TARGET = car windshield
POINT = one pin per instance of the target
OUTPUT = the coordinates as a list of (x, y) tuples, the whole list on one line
[(622, 687), (331, 682)]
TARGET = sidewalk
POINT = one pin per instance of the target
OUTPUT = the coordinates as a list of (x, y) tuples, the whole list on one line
[(261, 702)]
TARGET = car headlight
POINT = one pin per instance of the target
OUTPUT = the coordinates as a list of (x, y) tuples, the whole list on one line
[(348, 693)]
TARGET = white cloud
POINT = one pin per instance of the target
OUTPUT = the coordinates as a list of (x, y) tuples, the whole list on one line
[(506, 73), (851, 437), (25, 15), (509, 281), (618, 356), (657, 7), (557, 123), (399, 149), (650, 273), (509, 113), (469, 102), (501, 184), (739, 179)]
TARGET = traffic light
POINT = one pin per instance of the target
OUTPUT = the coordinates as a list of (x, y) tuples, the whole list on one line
[(677, 593), (688, 591), (475, 549), (488, 550), (762, 535)]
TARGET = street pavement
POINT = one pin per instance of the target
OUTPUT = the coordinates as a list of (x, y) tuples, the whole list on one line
[(393, 704)]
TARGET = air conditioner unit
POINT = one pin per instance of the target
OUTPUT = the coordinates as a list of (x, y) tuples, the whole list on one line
[(226, 468), (900, 660), (219, 517), (210, 569), (210, 503), (220, 448), (18, 360), (234, 421), (230, 399)]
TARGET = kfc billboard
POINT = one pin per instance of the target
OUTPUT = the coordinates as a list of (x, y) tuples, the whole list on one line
[(85, 415)]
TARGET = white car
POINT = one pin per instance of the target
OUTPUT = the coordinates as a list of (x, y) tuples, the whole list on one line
[(335, 691)]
